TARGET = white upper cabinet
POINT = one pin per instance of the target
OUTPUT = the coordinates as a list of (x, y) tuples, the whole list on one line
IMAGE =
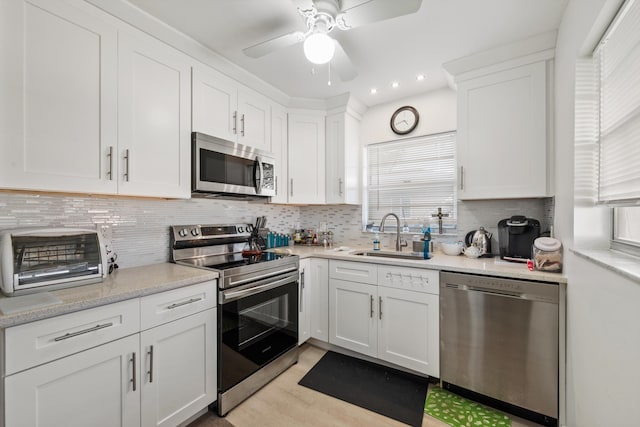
[(306, 157), (343, 154), (504, 128), (225, 109), (502, 134), (88, 107), (154, 146), (215, 103), (254, 119), (59, 94), (279, 150)]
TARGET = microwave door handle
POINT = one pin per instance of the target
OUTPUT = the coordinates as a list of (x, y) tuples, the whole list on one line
[(257, 175)]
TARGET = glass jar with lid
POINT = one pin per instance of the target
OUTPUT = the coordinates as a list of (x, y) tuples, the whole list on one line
[(546, 253)]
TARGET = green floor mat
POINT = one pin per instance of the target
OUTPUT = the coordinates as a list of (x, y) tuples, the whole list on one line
[(460, 412)]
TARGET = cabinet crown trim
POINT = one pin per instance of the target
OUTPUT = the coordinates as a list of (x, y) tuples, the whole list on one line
[(532, 49)]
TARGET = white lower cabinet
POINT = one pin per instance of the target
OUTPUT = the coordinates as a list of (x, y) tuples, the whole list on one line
[(352, 321), (395, 318), (318, 283), (313, 320), (96, 387), (408, 329), (304, 301), (178, 369), (96, 368)]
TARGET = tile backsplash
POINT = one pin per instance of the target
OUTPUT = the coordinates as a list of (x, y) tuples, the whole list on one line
[(140, 227), (346, 221)]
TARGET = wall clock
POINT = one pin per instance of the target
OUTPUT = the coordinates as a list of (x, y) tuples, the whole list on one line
[(404, 120)]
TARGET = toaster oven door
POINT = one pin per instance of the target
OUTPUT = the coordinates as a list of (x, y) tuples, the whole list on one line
[(52, 259)]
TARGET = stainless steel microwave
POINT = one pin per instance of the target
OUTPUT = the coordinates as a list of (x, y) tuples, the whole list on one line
[(223, 167)]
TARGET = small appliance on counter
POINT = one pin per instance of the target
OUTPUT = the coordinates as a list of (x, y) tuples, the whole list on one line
[(516, 236), (480, 238), (43, 259)]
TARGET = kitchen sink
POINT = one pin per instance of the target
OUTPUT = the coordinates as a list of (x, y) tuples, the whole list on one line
[(389, 254)]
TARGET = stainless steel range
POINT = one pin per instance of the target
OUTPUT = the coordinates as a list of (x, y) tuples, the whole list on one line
[(257, 306)]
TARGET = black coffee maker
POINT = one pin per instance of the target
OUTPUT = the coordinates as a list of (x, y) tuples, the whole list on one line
[(515, 237)]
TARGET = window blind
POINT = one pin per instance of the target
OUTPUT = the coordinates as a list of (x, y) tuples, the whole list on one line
[(587, 116), (618, 56), (412, 178)]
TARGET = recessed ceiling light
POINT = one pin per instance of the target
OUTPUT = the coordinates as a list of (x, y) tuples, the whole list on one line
[(395, 84), (373, 91), (420, 77)]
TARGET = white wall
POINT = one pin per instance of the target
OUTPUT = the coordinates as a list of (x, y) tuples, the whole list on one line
[(603, 320), (437, 111)]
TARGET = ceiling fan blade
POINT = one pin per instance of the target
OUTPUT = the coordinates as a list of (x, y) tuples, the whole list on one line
[(376, 10), (342, 64), (264, 48)]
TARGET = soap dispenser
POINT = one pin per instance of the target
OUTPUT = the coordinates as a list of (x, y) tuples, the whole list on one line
[(427, 243), (376, 242)]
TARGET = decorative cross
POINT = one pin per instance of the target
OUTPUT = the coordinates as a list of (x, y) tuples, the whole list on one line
[(439, 215)]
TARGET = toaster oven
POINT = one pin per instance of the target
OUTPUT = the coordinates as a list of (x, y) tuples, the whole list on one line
[(43, 259)]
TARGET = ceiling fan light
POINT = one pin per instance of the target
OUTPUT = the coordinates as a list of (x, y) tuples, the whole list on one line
[(319, 48)]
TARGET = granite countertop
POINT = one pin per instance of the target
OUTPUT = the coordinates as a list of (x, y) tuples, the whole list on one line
[(122, 284), (440, 261)]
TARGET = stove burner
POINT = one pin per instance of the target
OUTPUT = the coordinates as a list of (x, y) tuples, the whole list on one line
[(237, 260)]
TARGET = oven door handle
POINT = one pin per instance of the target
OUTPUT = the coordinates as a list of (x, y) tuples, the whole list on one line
[(228, 296), (262, 276)]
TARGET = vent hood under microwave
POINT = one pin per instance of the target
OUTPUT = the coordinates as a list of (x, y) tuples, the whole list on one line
[(224, 168)]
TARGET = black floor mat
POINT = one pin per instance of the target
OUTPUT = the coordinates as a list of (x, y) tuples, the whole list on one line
[(387, 391)]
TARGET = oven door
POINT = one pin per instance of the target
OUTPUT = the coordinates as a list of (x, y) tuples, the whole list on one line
[(257, 323)]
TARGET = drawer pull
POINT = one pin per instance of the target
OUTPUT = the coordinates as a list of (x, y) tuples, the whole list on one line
[(180, 304), (84, 331)]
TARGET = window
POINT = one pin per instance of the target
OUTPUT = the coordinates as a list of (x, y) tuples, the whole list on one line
[(618, 66), (412, 178)]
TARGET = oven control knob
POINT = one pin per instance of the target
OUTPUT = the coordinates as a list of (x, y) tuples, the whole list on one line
[(249, 228), (240, 229), (194, 232), (183, 232)]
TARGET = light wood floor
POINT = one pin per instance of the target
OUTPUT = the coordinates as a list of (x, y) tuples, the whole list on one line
[(284, 403)]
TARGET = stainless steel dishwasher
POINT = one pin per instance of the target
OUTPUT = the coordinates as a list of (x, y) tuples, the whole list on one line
[(499, 340)]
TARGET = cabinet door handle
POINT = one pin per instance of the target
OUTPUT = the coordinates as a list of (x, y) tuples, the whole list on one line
[(84, 331), (380, 308), (301, 290), (242, 123), (340, 186), (462, 177), (127, 159), (371, 306), (110, 156), (276, 185), (235, 122), (150, 372), (180, 304), (291, 189), (133, 378)]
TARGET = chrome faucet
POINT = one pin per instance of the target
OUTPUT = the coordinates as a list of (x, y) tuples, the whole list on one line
[(399, 244)]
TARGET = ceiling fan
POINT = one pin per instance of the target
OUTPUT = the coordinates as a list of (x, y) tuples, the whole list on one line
[(322, 17)]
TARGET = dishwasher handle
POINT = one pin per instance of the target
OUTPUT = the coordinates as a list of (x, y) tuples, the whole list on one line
[(501, 293)]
